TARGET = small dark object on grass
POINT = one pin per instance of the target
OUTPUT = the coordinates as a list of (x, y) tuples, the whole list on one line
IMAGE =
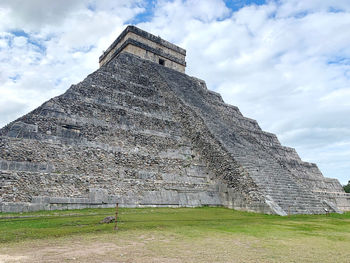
[(107, 220)]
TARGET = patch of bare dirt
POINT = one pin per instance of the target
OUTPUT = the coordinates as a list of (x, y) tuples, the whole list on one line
[(91, 250), (8, 258)]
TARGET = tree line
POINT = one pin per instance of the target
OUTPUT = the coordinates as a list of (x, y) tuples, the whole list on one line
[(347, 187)]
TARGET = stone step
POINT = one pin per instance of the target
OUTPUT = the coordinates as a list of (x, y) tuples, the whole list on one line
[(122, 99), (277, 183), (228, 109), (131, 75), (122, 84), (171, 158), (105, 110), (103, 132), (124, 178), (117, 117), (296, 200), (119, 89), (249, 146)]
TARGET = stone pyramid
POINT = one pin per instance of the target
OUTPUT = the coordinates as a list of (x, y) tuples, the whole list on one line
[(140, 132)]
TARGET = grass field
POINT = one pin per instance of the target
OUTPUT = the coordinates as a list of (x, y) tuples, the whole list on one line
[(173, 235)]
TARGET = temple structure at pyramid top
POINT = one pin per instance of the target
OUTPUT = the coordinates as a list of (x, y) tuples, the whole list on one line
[(146, 46)]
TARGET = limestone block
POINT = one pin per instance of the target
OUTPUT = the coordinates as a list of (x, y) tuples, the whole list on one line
[(60, 200), (98, 195), (193, 200), (210, 198), (14, 207), (37, 207), (3, 165), (21, 129), (58, 207), (41, 200), (129, 199)]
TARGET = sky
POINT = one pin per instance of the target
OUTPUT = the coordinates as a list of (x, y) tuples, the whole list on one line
[(285, 63)]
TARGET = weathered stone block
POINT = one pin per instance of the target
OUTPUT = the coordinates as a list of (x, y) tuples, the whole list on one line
[(40, 200), (98, 195), (3, 165)]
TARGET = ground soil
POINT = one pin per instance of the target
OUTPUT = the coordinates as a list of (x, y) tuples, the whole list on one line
[(132, 247), (156, 246)]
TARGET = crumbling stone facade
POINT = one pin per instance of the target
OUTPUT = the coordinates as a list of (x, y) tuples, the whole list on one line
[(141, 134)]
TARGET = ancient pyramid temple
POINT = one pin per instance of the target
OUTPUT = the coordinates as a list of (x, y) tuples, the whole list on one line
[(140, 132)]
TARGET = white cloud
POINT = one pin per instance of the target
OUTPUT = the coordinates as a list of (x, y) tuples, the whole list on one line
[(300, 8), (37, 13)]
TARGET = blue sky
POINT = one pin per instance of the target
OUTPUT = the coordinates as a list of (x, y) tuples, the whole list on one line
[(238, 4), (285, 63)]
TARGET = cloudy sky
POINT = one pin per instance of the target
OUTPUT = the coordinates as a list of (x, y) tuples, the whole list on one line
[(285, 63)]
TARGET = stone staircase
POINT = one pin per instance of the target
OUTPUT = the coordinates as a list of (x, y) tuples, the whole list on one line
[(251, 147)]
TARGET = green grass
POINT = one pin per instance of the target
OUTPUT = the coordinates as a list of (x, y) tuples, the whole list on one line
[(187, 221), (304, 238)]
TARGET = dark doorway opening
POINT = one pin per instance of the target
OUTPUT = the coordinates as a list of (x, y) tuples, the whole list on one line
[(162, 62)]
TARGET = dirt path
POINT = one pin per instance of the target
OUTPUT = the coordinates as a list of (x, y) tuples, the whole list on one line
[(79, 251), (170, 247), (140, 247)]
